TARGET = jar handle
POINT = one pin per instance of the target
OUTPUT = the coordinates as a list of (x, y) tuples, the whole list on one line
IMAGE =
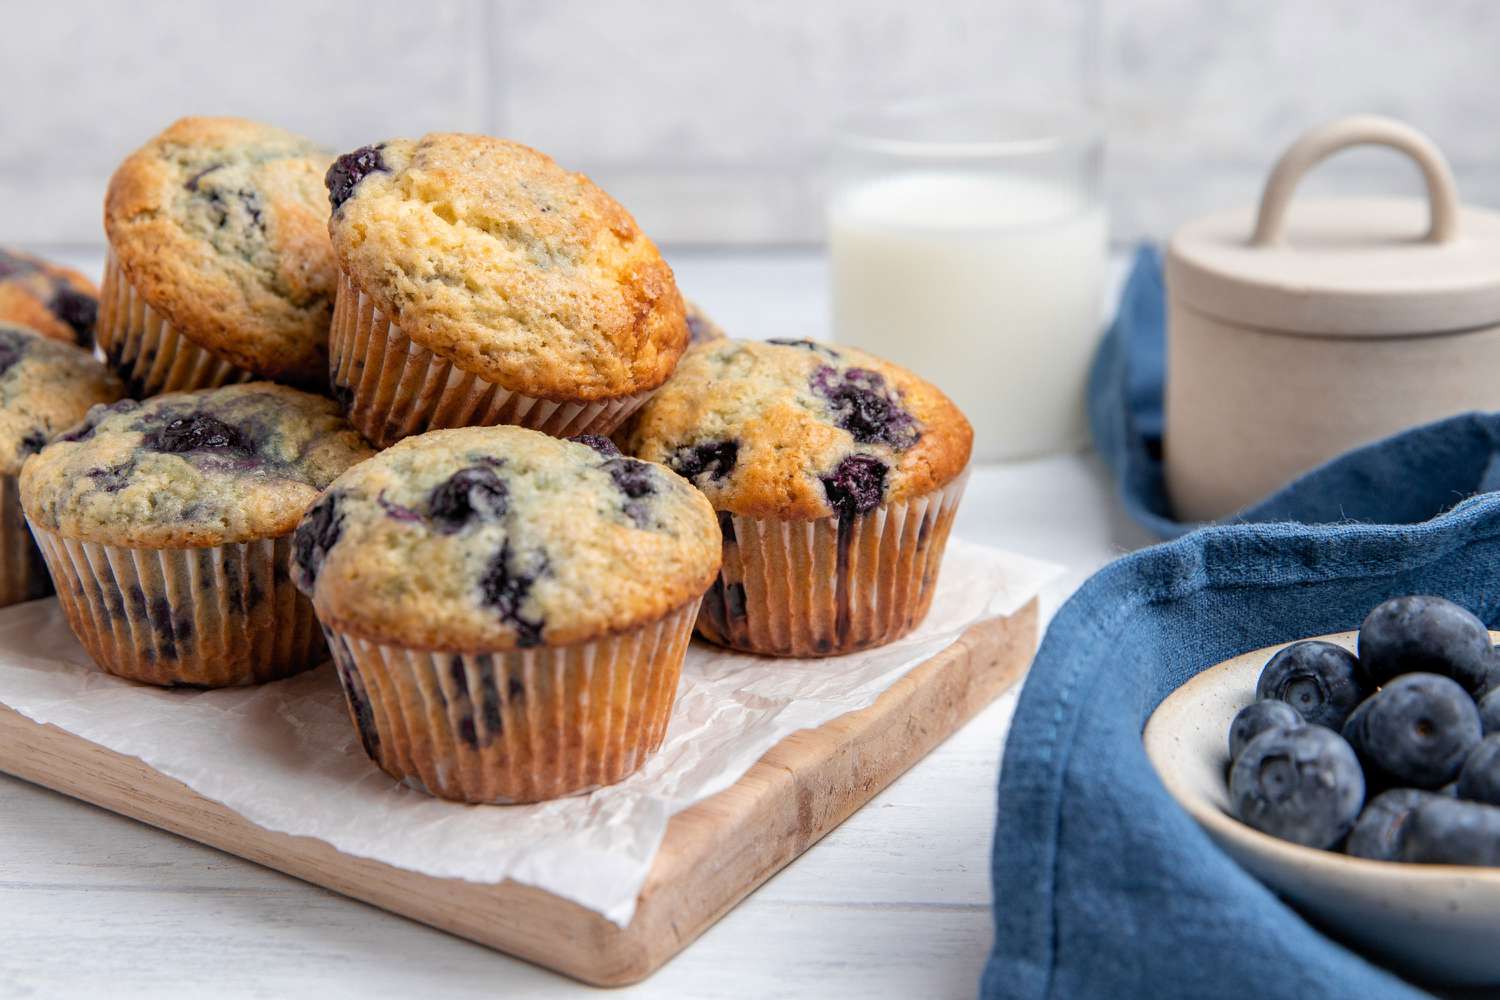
[(1358, 130)]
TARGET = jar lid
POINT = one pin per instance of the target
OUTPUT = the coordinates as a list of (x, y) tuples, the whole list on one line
[(1368, 267)]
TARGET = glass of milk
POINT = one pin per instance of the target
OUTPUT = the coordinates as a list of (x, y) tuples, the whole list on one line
[(968, 243)]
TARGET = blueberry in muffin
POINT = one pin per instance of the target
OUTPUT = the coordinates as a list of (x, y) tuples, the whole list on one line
[(836, 476), (509, 610), (168, 528)]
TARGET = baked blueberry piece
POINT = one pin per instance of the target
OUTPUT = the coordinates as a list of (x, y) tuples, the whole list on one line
[(1416, 731), (481, 283), (836, 476), (167, 526), (53, 300), (1302, 785), (45, 387), (509, 611), (1479, 780), (220, 268), (1321, 680)]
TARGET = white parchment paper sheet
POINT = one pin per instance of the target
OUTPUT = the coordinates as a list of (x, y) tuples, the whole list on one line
[(286, 757)]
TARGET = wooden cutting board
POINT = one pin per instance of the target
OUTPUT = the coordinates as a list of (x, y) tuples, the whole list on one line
[(714, 854)]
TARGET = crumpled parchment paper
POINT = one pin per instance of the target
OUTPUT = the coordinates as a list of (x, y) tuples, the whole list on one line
[(286, 757)]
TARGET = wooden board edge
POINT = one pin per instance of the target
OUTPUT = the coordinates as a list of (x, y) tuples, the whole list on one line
[(799, 791)]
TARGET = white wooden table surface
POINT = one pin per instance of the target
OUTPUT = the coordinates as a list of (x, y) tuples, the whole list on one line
[(895, 903)]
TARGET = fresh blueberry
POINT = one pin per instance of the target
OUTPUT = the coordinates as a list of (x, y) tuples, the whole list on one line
[(863, 405), (1489, 713), (1448, 831), (1480, 778), (318, 532), (198, 432), (1255, 718), (714, 459), (471, 493), (1320, 680), (1409, 635), (1416, 731), (599, 443), (351, 168), (1302, 785), (505, 586), (856, 486), (79, 310), (1378, 832)]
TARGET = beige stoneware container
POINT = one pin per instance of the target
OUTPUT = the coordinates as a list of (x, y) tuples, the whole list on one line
[(1296, 332)]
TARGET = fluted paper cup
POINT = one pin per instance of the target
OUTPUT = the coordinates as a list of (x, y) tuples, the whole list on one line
[(392, 387), (217, 616), (831, 586), (519, 726), (23, 574), (146, 351)]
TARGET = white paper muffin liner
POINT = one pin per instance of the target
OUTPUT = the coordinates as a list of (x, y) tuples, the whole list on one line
[(23, 574), (393, 387), (216, 616), (519, 726), (145, 350), (831, 586)]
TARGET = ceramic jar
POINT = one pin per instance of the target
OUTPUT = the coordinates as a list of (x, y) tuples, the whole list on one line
[(1296, 332)]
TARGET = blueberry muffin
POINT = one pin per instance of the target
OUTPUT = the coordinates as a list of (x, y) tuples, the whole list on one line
[(480, 283), (508, 611), (701, 329), (53, 300), (219, 264), (45, 388), (836, 477), (167, 527)]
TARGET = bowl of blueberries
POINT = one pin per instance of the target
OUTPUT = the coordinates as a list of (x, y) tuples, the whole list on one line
[(1358, 776)]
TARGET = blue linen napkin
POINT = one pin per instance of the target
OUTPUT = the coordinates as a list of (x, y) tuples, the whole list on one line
[(1103, 885)]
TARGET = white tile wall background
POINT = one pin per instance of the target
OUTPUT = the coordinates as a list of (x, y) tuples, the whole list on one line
[(708, 119)]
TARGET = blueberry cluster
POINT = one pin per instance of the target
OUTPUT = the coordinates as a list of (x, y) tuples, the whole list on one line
[(1391, 754)]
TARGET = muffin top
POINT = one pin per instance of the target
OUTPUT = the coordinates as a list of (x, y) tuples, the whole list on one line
[(701, 329), (798, 430), (486, 539), (220, 225), (489, 254), (190, 469), (45, 387), (53, 300)]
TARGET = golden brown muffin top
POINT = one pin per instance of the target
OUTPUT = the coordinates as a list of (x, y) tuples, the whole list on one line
[(220, 224), (53, 300), (45, 388), (486, 539), (191, 469), (798, 430), (491, 255)]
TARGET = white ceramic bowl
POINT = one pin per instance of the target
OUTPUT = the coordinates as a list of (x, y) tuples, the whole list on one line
[(1438, 922)]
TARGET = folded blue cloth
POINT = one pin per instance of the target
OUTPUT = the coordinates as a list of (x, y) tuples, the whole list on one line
[(1103, 885)]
